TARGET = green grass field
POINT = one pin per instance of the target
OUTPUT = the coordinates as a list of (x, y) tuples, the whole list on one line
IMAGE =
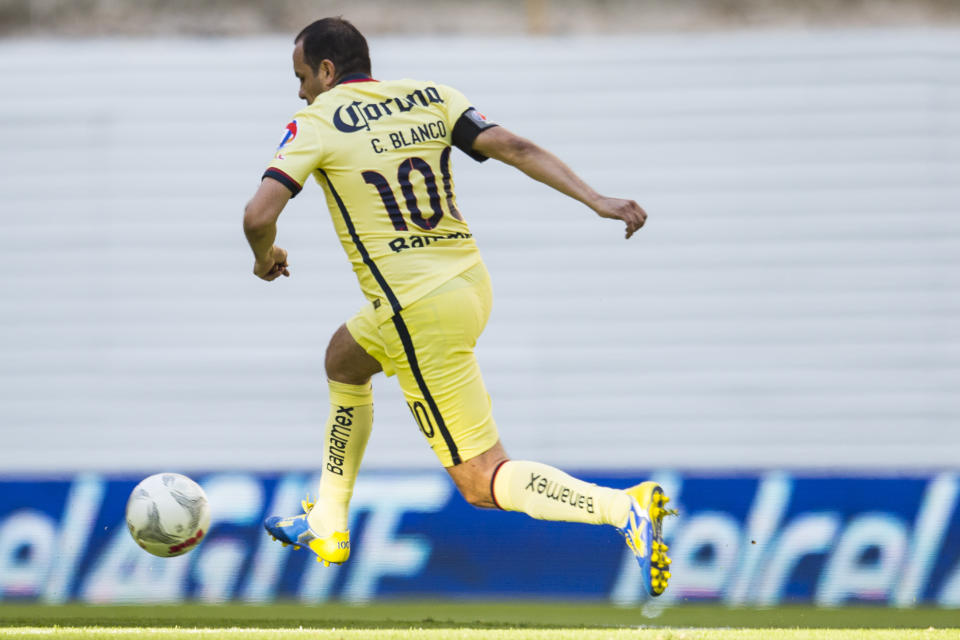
[(472, 620), (176, 633)]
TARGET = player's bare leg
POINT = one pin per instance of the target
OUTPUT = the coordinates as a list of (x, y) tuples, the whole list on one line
[(492, 480), (323, 527), (473, 477), (346, 360)]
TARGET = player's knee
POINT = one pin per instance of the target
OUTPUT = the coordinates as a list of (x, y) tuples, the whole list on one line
[(332, 364), (474, 477), (476, 491), (346, 361), (477, 497)]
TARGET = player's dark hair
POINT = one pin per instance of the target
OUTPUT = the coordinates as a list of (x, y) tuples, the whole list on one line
[(338, 41)]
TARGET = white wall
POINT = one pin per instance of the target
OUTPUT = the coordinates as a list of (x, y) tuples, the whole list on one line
[(793, 300)]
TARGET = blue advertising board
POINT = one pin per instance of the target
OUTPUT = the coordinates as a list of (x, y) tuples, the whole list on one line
[(743, 539)]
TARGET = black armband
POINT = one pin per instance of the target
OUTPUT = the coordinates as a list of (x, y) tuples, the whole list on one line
[(469, 125)]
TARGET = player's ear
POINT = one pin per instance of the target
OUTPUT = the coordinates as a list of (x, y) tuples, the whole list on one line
[(327, 71)]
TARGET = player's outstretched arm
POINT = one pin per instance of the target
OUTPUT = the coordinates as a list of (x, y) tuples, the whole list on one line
[(540, 164), (260, 227)]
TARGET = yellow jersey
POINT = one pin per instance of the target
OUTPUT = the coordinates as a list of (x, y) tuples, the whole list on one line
[(381, 151)]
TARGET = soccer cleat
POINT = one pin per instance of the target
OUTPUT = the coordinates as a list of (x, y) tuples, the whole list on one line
[(295, 531), (644, 534)]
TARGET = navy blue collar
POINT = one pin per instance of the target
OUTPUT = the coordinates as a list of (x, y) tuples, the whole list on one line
[(355, 77)]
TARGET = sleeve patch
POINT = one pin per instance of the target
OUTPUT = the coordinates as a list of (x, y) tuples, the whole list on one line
[(290, 135)]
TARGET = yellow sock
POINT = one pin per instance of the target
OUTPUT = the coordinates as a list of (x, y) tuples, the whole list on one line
[(347, 433), (546, 493)]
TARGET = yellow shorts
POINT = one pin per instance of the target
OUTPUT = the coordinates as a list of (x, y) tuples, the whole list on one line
[(429, 346)]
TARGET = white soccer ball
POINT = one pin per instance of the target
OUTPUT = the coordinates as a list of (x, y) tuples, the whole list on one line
[(168, 514)]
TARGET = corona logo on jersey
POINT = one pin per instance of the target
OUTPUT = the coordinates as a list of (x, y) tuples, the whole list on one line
[(358, 115)]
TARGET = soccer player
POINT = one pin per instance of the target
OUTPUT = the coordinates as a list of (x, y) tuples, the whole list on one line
[(381, 151)]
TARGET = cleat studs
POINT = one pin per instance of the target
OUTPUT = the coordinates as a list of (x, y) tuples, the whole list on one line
[(665, 499), (655, 557), (666, 575), (667, 560), (655, 572), (286, 544), (326, 564), (296, 548)]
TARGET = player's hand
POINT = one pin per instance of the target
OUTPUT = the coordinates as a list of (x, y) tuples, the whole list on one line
[(273, 265), (619, 209)]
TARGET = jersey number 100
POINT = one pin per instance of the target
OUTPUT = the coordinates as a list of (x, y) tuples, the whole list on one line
[(430, 181)]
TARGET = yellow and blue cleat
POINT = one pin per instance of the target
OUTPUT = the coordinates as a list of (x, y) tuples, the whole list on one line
[(644, 534), (332, 549)]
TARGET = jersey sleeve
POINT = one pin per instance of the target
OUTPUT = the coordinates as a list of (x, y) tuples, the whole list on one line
[(299, 154), (465, 123)]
